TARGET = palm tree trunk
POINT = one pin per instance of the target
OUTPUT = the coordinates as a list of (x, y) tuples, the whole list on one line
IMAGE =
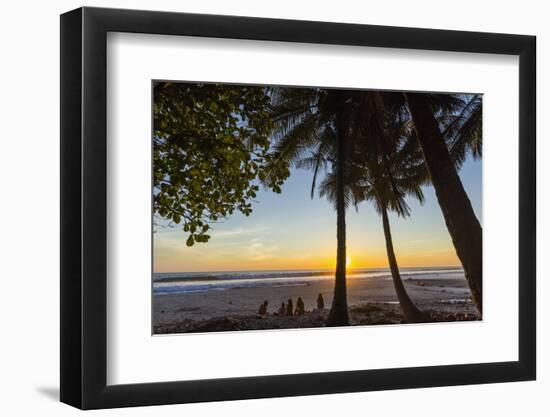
[(338, 315), (410, 311), (463, 226)]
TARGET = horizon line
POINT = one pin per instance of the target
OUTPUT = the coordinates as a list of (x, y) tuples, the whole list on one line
[(314, 269)]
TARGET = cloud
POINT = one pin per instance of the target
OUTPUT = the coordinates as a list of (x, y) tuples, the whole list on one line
[(258, 250), (240, 231), (177, 237)]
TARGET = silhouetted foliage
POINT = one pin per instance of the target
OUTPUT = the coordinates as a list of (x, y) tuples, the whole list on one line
[(210, 152)]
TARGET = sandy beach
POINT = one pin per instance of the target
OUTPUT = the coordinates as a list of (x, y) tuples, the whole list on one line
[(371, 301)]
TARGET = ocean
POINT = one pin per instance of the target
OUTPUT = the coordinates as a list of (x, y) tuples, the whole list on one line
[(193, 282)]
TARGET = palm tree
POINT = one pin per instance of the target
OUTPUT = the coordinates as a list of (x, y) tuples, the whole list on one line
[(386, 179), (461, 221), (463, 131), (312, 130)]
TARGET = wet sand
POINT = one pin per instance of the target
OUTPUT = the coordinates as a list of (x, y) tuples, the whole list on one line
[(371, 301)]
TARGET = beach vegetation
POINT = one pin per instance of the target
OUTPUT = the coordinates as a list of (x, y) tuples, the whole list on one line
[(210, 150)]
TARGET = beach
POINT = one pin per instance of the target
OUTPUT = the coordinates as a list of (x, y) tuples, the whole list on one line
[(198, 304)]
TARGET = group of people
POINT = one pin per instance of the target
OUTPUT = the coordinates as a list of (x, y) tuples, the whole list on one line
[(288, 308)]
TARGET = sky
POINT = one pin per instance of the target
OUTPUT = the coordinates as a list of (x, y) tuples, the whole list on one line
[(292, 231)]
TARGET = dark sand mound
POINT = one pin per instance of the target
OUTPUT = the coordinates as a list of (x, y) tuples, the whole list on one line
[(363, 314)]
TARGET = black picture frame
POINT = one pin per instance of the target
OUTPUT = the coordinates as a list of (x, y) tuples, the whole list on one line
[(84, 207)]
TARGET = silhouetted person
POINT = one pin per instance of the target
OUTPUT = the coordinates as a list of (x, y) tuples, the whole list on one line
[(320, 302), (282, 310), (300, 310), (263, 308), (289, 307)]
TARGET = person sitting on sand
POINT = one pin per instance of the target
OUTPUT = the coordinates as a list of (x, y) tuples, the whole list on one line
[(300, 310), (320, 302), (282, 310), (263, 308), (289, 307)]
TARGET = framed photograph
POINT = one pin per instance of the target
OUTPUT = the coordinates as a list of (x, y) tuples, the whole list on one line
[(258, 208)]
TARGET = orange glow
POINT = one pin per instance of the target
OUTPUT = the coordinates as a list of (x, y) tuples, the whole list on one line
[(176, 256)]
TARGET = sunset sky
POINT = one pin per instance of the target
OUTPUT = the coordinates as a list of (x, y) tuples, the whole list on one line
[(291, 231)]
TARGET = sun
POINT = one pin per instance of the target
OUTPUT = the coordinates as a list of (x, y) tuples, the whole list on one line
[(348, 261)]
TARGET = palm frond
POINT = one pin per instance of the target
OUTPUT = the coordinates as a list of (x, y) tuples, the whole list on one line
[(464, 134)]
